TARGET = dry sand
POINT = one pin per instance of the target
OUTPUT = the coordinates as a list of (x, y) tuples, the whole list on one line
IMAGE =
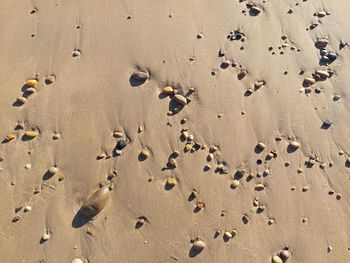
[(206, 175)]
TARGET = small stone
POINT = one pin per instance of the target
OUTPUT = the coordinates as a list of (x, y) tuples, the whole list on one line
[(327, 123), (28, 166), (329, 249), (77, 260), (140, 222), (294, 145), (145, 153), (101, 155), (266, 172), (50, 79), (61, 178), (180, 99), (322, 73), (28, 208), (228, 235), (258, 84), (30, 90), (56, 136), (331, 56), (118, 134), (321, 43), (140, 75), (261, 146), (121, 144), (305, 188), (46, 237), (242, 73), (221, 52), (321, 14), (168, 90), (171, 181), (200, 205), (199, 245), (53, 170), (188, 147), (284, 254), (255, 10), (118, 152), (276, 259), (76, 53), (300, 171), (16, 219), (225, 64), (336, 97), (31, 82), (172, 162), (21, 100), (235, 183), (200, 35), (31, 134), (10, 137), (309, 81), (259, 187)]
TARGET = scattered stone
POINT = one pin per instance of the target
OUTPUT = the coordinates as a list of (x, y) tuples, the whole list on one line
[(28, 208), (200, 205), (327, 123), (300, 170), (122, 144), (10, 137), (140, 75), (284, 255), (46, 236), (31, 134), (16, 219), (235, 183), (77, 260), (242, 73), (118, 134), (168, 90), (331, 56), (101, 155), (225, 64), (336, 97), (145, 153), (31, 82), (228, 235), (294, 145), (97, 202), (259, 187), (30, 90), (198, 245), (305, 188), (50, 79), (171, 181), (329, 249), (172, 162), (118, 152), (180, 99), (52, 170), (309, 81), (261, 146), (21, 100), (321, 43), (322, 73), (276, 259), (76, 53), (255, 10)]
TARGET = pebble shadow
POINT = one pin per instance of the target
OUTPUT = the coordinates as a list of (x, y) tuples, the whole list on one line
[(80, 219)]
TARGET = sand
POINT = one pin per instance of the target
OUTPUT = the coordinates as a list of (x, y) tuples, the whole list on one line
[(174, 131)]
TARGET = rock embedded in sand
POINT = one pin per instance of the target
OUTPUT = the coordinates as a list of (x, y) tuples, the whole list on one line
[(294, 145), (235, 183), (9, 137), (101, 155), (145, 153), (31, 82), (255, 10), (321, 43), (77, 260), (261, 146), (28, 208), (140, 75), (284, 255), (276, 259), (52, 170), (168, 90), (180, 99), (31, 134), (259, 187), (309, 81), (97, 202), (199, 245), (118, 134), (46, 236), (322, 73), (122, 144), (50, 79), (171, 181), (21, 100)]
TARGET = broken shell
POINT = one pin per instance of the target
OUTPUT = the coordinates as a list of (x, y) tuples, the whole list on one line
[(180, 99), (31, 82), (97, 202)]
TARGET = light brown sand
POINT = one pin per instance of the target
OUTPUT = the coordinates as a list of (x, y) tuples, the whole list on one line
[(92, 48)]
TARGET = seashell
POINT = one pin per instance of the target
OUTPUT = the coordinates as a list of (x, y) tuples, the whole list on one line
[(97, 202)]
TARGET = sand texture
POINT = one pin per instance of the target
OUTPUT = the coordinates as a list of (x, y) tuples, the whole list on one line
[(174, 131)]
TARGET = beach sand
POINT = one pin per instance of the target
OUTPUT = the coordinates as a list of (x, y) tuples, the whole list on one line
[(174, 131)]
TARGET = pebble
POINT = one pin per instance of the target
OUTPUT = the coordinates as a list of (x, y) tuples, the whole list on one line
[(21, 100), (294, 145), (199, 245), (259, 187), (56, 136), (321, 14), (53, 170), (97, 202), (309, 81), (180, 99), (226, 63), (172, 161), (261, 145), (77, 260), (168, 90), (336, 97), (276, 259), (284, 254), (322, 73), (31, 134), (28, 166), (255, 10), (228, 235), (329, 249), (76, 53), (118, 134), (321, 43), (122, 144), (242, 73), (28, 208), (46, 236), (235, 183), (145, 153), (171, 181), (331, 56), (16, 219), (31, 82), (50, 79), (101, 155), (10, 137), (118, 152), (328, 123), (140, 75), (30, 90)]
